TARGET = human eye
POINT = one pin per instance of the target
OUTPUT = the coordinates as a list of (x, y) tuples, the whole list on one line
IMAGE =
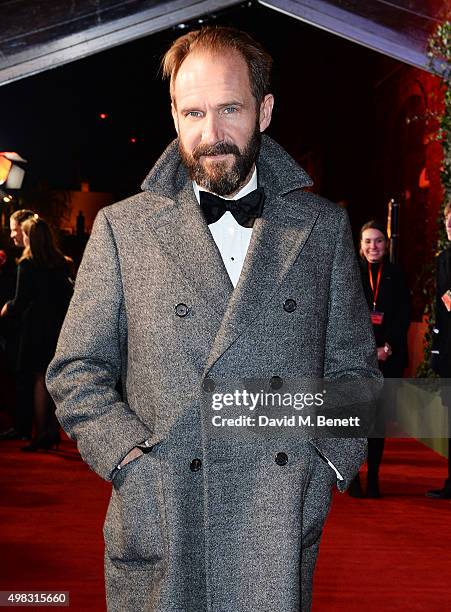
[(193, 114), (230, 110)]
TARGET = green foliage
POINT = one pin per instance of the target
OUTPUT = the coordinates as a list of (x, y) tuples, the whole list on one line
[(439, 53)]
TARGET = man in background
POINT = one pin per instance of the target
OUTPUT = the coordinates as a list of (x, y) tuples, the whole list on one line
[(441, 356)]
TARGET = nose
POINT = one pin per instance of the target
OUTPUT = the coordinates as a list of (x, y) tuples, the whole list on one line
[(212, 132)]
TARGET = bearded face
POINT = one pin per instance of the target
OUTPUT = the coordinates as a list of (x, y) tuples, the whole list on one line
[(222, 176), (218, 119)]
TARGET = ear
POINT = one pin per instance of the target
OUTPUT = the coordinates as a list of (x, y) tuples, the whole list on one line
[(175, 117), (266, 111)]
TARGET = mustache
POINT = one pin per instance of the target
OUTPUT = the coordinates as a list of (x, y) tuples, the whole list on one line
[(220, 148)]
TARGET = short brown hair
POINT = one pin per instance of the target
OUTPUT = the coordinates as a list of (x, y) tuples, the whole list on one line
[(22, 215), (221, 38), (373, 224)]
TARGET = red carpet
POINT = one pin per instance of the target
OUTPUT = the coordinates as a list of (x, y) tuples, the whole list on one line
[(389, 554), (51, 511), (385, 555)]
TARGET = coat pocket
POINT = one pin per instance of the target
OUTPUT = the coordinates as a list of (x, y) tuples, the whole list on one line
[(135, 524)]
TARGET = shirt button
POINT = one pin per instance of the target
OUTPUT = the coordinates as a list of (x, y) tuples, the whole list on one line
[(195, 465), (181, 310), (281, 458), (289, 305)]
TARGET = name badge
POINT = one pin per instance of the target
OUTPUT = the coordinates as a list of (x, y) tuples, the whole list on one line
[(377, 317), (446, 299)]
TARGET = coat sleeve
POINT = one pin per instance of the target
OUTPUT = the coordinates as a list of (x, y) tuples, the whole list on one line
[(84, 374), (350, 350)]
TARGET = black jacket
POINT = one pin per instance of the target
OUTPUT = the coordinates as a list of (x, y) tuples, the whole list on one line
[(41, 301), (394, 301), (442, 336)]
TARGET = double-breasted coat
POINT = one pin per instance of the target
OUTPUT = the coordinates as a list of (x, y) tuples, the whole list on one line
[(197, 524)]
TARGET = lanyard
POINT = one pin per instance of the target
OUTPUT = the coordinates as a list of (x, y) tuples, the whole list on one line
[(375, 292)]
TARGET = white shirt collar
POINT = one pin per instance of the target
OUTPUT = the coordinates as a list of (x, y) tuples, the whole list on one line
[(251, 185)]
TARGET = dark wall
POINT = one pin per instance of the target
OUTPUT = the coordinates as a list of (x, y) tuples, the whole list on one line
[(322, 115)]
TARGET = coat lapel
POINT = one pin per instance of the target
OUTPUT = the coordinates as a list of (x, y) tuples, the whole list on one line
[(184, 237), (274, 247), (186, 240)]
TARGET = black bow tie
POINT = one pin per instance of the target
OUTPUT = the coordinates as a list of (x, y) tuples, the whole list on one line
[(244, 210)]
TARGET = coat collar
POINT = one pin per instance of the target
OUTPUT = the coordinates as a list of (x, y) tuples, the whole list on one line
[(278, 174)]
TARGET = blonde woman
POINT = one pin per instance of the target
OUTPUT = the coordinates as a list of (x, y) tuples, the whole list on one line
[(43, 292)]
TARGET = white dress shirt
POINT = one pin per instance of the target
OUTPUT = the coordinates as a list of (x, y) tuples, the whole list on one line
[(230, 237)]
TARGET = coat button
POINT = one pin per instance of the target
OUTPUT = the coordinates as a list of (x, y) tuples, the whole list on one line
[(208, 385), (289, 305), (281, 459), (276, 382), (181, 310), (195, 465)]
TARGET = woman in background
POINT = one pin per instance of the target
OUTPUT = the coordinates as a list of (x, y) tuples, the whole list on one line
[(43, 292), (388, 298)]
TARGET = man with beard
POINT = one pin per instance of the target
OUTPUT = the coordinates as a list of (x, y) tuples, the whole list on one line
[(224, 269)]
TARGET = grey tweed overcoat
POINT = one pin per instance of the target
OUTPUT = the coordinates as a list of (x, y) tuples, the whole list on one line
[(200, 524)]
